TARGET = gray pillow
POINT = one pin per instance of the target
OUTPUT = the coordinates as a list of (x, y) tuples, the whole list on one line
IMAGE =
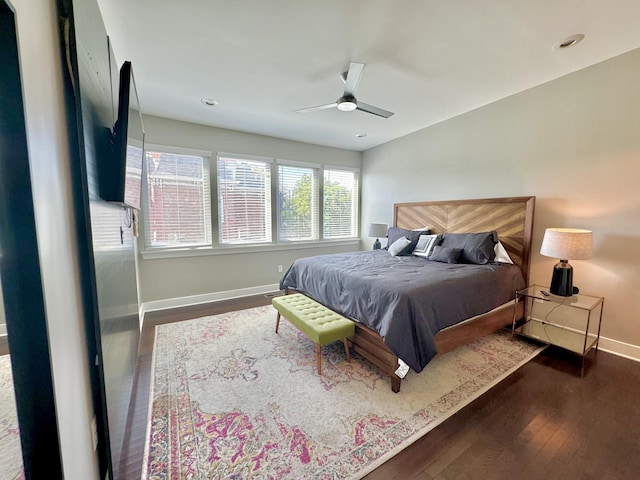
[(395, 233), (476, 247), (445, 254)]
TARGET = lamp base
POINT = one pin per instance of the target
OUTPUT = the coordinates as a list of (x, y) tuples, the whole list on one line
[(562, 279), (377, 245)]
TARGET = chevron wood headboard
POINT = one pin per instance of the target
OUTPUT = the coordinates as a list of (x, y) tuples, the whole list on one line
[(511, 217)]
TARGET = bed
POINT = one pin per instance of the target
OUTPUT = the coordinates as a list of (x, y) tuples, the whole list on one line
[(401, 312)]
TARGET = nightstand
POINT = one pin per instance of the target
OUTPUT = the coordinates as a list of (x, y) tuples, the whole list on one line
[(572, 323)]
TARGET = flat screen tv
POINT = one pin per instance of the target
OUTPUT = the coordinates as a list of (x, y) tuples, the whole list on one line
[(121, 179)]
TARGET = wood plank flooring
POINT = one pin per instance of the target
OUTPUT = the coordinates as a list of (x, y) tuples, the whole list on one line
[(542, 422)]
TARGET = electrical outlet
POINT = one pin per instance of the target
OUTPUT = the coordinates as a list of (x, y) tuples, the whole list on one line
[(279, 268)]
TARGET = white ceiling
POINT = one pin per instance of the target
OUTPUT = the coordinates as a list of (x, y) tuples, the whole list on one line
[(426, 60)]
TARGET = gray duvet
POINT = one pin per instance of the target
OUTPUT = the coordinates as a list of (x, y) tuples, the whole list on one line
[(406, 299)]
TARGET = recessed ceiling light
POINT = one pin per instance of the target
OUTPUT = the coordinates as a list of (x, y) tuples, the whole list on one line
[(209, 102), (361, 135), (569, 41)]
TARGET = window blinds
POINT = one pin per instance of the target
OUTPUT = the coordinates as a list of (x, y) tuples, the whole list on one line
[(297, 202), (244, 200), (340, 203), (178, 200)]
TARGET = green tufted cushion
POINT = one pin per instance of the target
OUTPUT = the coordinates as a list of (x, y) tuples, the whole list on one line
[(314, 320)]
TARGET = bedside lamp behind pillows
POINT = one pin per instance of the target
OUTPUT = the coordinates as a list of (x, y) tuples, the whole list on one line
[(377, 230)]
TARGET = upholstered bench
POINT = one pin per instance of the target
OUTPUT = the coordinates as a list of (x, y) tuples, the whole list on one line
[(316, 321)]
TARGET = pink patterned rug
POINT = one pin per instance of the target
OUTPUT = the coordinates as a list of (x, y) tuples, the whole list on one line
[(231, 399), (10, 450)]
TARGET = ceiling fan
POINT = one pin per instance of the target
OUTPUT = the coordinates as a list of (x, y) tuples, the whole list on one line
[(348, 102)]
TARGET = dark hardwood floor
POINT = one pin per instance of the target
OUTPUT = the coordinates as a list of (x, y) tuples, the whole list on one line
[(542, 422)]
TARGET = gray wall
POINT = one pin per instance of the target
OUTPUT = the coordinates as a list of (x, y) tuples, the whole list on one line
[(41, 69), (574, 143), (175, 278)]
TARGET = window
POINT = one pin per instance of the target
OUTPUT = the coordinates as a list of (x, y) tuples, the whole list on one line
[(183, 207), (340, 203), (297, 202), (244, 199), (178, 200)]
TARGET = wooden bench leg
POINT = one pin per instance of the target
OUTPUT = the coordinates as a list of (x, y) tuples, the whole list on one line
[(318, 359), (277, 322), (346, 350), (395, 383)]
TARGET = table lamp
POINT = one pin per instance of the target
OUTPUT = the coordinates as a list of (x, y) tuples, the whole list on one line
[(377, 230), (565, 244)]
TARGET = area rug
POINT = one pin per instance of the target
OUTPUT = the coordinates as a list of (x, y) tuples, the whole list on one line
[(10, 450), (231, 399)]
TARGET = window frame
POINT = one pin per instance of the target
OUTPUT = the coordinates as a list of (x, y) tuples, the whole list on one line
[(268, 225), (356, 197), (145, 227), (316, 200)]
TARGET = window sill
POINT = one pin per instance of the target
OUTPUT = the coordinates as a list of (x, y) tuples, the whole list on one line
[(236, 250)]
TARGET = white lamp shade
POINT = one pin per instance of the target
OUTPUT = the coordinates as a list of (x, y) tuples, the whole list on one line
[(378, 230), (567, 243)]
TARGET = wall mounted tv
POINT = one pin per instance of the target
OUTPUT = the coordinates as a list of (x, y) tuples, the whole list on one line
[(120, 178)]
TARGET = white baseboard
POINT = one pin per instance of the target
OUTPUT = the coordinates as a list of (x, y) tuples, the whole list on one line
[(621, 349), (178, 302)]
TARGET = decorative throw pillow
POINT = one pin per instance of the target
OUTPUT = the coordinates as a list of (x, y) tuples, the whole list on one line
[(476, 247), (399, 246), (394, 233), (425, 245), (501, 254), (445, 254)]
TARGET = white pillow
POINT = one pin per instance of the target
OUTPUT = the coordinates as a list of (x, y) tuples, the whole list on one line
[(399, 246), (501, 254), (425, 245)]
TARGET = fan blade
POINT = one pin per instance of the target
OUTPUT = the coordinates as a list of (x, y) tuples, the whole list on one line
[(375, 110), (315, 109), (353, 79)]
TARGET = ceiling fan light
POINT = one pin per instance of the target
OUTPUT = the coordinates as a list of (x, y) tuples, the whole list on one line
[(347, 104)]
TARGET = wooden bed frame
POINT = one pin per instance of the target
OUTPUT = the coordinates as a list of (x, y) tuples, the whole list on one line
[(511, 217)]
